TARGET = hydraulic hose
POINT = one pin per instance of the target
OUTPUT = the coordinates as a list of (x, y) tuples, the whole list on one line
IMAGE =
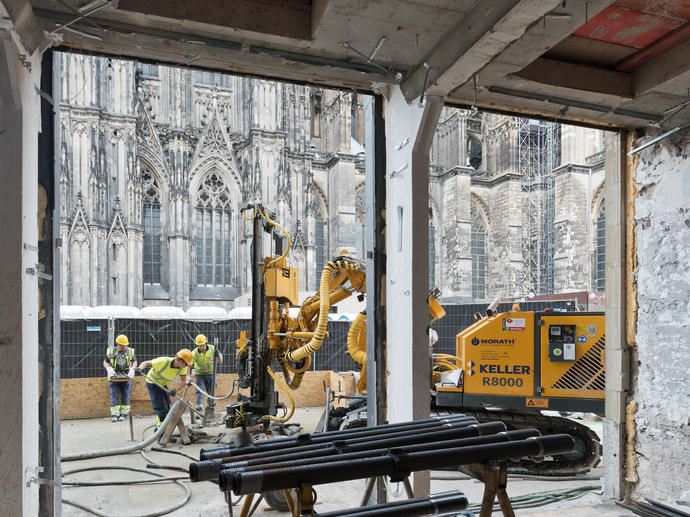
[(270, 221), (448, 365), (128, 448), (356, 351), (285, 389), (320, 332)]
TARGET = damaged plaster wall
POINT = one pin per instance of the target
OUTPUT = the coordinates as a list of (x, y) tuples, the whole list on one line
[(662, 220)]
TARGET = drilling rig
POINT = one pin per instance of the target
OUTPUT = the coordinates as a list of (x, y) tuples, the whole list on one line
[(277, 338)]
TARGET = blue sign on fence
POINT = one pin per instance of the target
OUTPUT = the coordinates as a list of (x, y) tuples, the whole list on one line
[(94, 328)]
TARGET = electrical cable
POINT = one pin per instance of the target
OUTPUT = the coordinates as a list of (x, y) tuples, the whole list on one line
[(459, 476), (180, 453), (542, 499), (155, 465), (177, 481)]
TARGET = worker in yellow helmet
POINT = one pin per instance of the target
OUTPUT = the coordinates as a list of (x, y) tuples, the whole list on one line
[(120, 363), (204, 355), (164, 370)]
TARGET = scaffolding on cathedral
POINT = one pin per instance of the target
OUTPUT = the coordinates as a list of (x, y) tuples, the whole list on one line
[(538, 153)]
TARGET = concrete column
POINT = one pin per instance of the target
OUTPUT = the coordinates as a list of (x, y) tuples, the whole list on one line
[(409, 132), (617, 351), (19, 127)]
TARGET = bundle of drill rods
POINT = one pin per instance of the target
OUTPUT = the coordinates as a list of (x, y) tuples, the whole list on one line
[(653, 508), (393, 450)]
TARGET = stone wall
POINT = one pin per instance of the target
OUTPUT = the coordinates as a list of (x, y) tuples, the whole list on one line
[(662, 341)]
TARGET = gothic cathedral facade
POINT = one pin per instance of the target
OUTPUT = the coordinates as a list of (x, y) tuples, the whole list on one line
[(155, 164)]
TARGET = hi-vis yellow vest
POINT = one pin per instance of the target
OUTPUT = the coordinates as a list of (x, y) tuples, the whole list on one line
[(162, 371), (203, 362), (112, 353)]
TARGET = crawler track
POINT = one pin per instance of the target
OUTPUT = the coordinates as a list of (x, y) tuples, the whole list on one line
[(585, 458)]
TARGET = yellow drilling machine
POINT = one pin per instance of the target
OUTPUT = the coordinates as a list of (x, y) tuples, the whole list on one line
[(510, 366), (276, 337)]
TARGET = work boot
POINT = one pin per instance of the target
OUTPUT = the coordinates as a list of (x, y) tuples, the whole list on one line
[(113, 418), (123, 416)]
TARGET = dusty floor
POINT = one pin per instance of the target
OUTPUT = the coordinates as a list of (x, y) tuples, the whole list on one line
[(207, 500)]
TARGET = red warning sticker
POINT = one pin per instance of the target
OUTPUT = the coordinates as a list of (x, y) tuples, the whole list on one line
[(513, 323)]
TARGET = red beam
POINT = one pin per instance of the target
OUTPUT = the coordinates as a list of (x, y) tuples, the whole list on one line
[(680, 35)]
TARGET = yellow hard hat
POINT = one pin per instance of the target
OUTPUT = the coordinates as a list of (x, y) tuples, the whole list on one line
[(201, 340), (122, 340), (186, 355)]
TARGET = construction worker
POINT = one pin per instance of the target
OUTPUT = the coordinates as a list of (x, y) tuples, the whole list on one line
[(204, 355), (120, 363), (164, 370)]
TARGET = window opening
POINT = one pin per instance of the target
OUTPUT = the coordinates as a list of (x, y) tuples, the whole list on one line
[(213, 216), (152, 230)]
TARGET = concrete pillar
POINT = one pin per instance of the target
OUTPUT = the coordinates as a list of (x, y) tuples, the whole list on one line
[(617, 351), (19, 127), (409, 132)]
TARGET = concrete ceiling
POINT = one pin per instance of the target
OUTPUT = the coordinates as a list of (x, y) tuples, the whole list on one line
[(617, 63)]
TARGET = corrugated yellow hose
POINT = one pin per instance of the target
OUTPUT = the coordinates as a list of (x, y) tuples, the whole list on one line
[(355, 350), (324, 306), (285, 389)]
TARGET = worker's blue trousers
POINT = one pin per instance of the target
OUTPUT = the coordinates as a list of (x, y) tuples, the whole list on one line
[(118, 406), (160, 400), (205, 382)]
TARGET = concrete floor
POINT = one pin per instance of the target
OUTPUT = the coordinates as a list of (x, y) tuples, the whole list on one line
[(206, 500)]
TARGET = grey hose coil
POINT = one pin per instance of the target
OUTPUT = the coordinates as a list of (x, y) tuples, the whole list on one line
[(180, 504)]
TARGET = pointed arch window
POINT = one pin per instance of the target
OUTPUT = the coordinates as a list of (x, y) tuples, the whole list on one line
[(600, 249), (478, 250), (213, 228), (152, 230)]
